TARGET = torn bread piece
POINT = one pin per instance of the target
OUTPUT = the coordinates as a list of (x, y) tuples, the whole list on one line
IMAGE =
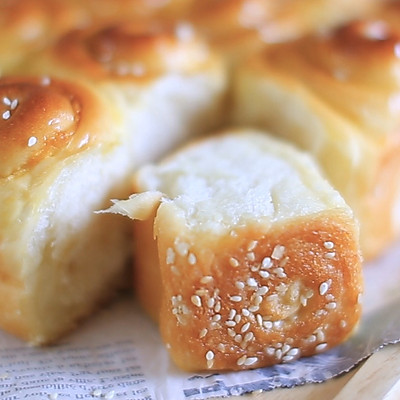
[(246, 256)]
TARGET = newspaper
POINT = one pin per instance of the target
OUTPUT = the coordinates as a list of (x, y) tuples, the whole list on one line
[(118, 354)]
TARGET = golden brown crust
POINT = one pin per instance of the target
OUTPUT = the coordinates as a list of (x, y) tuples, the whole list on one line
[(42, 117), (127, 51), (257, 299), (345, 83)]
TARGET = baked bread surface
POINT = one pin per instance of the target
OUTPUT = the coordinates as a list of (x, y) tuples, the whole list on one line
[(61, 157), (258, 257)]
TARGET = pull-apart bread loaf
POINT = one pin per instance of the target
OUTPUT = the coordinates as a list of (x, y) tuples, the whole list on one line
[(72, 133), (62, 155), (336, 96), (246, 256), (165, 79)]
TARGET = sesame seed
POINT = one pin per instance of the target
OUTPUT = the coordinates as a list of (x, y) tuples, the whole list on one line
[(283, 262), (196, 300), (311, 339), (330, 297), (238, 318), (329, 245), (263, 290), (234, 262), (266, 263), (330, 255), (206, 279), (210, 363), (268, 324), (170, 256), (230, 323), (201, 292), (210, 355), (231, 332), (6, 114), (293, 352), (285, 348), (342, 323), (270, 351), (216, 317), (278, 251), (192, 259), (321, 347), (280, 273), (278, 354), (221, 347), (236, 299), (203, 333), (320, 335), (278, 324), (245, 312), (6, 101), (211, 302), (250, 361), (287, 358), (217, 307), (324, 287), (241, 360), (258, 300), (259, 319), (32, 141), (331, 306), (254, 308), (245, 327), (240, 285), (264, 274), (303, 300), (232, 313), (182, 248), (238, 338), (251, 282), (249, 336), (251, 256)]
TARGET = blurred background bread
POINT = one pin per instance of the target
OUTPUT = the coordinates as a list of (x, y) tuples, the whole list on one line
[(336, 95)]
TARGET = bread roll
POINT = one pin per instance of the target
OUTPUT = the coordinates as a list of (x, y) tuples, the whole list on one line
[(297, 18), (29, 25), (165, 79), (246, 256), (63, 154), (239, 27), (336, 96)]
